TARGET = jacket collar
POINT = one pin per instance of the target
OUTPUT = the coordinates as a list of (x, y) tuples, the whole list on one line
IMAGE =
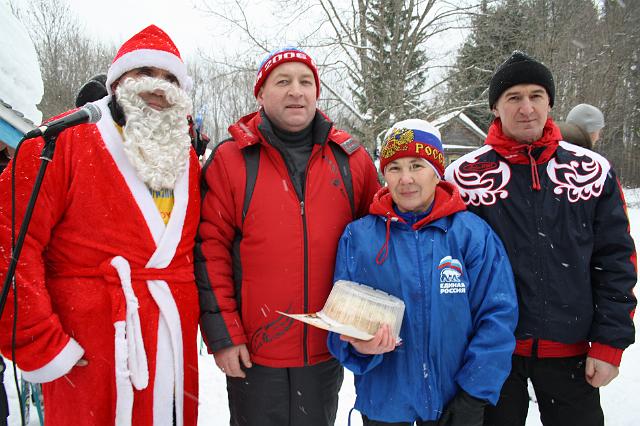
[(516, 152), (447, 201), (538, 152), (246, 131)]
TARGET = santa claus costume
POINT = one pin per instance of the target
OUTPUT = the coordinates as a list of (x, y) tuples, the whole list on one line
[(101, 276)]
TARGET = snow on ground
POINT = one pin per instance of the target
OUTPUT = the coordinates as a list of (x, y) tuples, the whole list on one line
[(616, 398)]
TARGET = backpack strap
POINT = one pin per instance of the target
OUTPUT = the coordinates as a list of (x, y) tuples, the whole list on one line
[(342, 158), (204, 188), (251, 156)]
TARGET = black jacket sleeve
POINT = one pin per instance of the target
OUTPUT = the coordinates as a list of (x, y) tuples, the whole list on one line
[(613, 270)]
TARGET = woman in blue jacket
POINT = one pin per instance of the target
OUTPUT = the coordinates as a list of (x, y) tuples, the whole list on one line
[(418, 243)]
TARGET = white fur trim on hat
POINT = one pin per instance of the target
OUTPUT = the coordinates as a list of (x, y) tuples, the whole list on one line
[(149, 58)]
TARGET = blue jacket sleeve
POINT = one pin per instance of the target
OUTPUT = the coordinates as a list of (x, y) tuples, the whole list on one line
[(350, 358), (343, 351), (494, 309)]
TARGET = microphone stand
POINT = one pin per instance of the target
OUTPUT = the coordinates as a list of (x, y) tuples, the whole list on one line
[(46, 156), (4, 401)]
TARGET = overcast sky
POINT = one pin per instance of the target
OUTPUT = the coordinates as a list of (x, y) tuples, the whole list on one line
[(190, 27), (117, 20), (193, 29)]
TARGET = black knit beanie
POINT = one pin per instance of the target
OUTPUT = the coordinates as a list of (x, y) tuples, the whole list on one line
[(520, 68)]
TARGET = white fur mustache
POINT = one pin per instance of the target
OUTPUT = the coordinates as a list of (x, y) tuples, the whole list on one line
[(172, 93)]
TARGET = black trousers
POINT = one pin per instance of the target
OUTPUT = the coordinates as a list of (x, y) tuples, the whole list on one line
[(305, 396), (564, 396), (368, 422)]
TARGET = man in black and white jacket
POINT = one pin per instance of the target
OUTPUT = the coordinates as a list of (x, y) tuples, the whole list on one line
[(560, 212)]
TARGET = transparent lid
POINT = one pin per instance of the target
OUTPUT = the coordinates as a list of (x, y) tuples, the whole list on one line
[(363, 307)]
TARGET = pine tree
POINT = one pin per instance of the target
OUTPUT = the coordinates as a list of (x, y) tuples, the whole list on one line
[(592, 50), (619, 87), (495, 33), (393, 73)]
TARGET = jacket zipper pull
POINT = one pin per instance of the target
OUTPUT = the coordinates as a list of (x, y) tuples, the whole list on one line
[(301, 208)]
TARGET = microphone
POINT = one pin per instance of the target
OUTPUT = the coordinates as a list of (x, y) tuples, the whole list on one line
[(87, 114)]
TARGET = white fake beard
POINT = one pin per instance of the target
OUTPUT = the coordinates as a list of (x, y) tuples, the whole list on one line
[(155, 142)]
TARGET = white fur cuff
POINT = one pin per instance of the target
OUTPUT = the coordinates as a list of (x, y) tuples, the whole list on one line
[(58, 366)]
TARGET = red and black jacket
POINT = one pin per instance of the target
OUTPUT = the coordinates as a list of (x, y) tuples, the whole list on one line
[(560, 212), (281, 256)]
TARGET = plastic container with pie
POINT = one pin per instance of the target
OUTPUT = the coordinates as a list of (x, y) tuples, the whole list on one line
[(356, 310)]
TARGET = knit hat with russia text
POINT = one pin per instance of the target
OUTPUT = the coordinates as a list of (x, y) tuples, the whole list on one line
[(279, 57), (151, 47), (413, 138)]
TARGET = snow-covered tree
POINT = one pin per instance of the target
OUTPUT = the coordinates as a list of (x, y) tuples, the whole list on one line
[(592, 48), (389, 77), (381, 46), (371, 53), (221, 95), (68, 56), (495, 33)]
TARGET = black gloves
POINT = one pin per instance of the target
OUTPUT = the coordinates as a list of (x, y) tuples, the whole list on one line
[(92, 90), (463, 410)]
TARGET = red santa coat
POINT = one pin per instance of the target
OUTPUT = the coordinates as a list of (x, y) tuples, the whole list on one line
[(102, 278)]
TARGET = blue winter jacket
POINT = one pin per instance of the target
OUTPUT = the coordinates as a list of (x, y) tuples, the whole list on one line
[(452, 273)]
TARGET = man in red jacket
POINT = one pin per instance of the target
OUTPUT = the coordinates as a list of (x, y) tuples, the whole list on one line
[(277, 197), (560, 213)]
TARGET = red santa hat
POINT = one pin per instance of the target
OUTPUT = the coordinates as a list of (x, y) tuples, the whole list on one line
[(151, 47)]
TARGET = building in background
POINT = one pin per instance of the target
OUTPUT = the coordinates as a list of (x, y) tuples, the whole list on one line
[(459, 135)]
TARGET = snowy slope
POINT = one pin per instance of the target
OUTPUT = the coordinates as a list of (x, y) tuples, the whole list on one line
[(616, 398)]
